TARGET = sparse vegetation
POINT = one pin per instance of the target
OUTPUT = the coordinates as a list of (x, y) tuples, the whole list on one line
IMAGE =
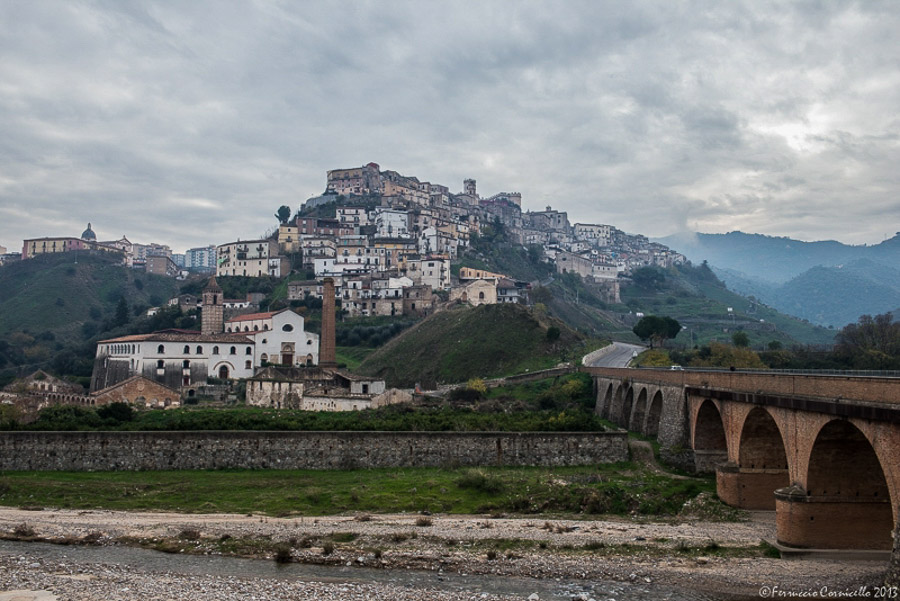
[(607, 489), (465, 343)]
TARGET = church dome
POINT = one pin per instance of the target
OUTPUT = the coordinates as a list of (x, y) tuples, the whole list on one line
[(88, 234)]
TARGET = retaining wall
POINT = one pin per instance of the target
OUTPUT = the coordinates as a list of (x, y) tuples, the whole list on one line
[(108, 451)]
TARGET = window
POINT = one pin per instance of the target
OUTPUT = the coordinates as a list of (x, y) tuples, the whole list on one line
[(187, 350), (287, 328), (249, 351), (247, 364), (160, 364), (215, 350), (264, 357), (234, 350), (199, 350), (185, 364), (161, 349)]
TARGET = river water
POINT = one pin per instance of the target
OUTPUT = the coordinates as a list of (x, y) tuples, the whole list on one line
[(147, 561)]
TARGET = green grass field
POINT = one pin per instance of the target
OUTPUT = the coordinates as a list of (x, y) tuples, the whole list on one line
[(591, 490)]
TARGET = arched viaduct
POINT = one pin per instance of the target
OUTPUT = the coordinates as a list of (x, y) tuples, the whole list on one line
[(822, 451)]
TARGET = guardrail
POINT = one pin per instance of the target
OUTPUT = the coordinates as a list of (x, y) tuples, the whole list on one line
[(871, 373)]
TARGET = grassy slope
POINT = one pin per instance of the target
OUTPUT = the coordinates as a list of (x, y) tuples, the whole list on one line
[(56, 294), (463, 343)]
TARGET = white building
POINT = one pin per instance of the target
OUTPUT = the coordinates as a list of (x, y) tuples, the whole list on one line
[(201, 258), (253, 258), (353, 216), (183, 359), (431, 271), (391, 223), (600, 235)]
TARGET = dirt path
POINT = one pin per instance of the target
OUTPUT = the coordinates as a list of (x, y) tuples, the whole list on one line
[(642, 452)]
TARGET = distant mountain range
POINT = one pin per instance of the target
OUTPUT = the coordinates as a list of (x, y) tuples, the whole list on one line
[(828, 283)]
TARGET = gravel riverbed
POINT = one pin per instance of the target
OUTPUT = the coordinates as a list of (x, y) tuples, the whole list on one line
[(690, 555)]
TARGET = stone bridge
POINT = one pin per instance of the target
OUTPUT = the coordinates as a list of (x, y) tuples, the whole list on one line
[(822, 451)]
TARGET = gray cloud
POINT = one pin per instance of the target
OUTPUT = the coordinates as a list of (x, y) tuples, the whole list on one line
[(191, 123)]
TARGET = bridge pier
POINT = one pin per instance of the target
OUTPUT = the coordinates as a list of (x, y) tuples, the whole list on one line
[(749, 488), (831, 522), (706, 461)]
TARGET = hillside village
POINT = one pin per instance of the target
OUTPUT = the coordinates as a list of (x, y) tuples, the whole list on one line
[(388, 241), (377, 243)]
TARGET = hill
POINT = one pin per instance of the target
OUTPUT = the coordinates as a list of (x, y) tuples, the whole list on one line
[(700, 302), (827, 283), (837, 296), (775, 259), (53, 305), (458, 344)]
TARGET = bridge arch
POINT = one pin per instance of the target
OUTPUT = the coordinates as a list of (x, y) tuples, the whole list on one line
[(761, 445), (762, 463), (640, 412), (605, 409), (846, 489), (627, 407), (709, 441), (654, 414)]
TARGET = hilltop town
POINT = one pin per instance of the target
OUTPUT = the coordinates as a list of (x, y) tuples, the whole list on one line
[(388, 241)]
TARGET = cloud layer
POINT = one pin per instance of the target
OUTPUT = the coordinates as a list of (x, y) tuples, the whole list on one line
[(190, 123)]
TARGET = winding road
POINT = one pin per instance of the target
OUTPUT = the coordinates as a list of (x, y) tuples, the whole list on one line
[(619, 356)]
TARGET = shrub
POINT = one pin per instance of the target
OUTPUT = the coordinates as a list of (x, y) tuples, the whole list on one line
[(24, 530), (282, 553), (476, 479)]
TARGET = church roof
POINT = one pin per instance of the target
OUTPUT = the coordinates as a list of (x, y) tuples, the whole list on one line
[(181, 336), (254, 316), (88, 234)]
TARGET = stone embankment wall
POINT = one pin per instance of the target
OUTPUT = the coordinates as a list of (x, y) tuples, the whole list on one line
[(107, 451)]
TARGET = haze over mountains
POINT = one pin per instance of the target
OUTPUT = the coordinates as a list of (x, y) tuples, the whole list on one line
[(826, 282)]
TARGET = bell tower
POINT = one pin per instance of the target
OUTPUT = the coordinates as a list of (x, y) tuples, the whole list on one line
[(213, 312)]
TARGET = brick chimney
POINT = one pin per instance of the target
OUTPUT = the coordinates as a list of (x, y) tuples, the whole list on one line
[(327, 356)]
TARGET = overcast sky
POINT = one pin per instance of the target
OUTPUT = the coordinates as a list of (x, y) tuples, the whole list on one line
[(190, 123)]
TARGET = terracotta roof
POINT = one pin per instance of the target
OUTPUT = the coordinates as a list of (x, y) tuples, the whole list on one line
[(253, 316), (181, 336), (132, 379)]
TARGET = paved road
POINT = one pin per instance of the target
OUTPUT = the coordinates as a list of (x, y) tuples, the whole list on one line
[(618, 357)]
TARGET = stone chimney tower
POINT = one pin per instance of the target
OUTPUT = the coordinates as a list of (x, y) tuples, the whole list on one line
[(213, 312), (327, 357)]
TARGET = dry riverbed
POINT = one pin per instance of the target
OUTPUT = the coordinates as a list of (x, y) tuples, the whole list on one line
[(713, 559)]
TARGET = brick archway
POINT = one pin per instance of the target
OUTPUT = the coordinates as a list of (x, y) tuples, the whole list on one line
[(845, 487), (605, 408), (640, 412), (654, 414), (708, 437), (627, 407), (761, 467)]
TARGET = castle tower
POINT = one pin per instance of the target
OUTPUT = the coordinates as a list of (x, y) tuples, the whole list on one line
[(469, 188), (327, 356), (213, 313)]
